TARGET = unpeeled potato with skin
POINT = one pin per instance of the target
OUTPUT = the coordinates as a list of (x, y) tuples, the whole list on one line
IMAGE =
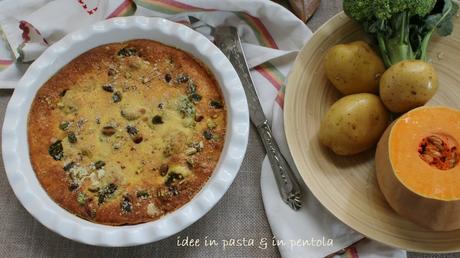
[(354, 124), (407, 85), (354, 68)]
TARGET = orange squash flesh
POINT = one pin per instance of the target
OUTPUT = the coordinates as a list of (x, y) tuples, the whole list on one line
[(417, 167)]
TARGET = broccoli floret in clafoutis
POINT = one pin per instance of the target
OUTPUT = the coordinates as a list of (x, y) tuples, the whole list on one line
[(403, 28)]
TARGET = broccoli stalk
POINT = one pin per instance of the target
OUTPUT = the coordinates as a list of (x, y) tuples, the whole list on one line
[(403, 28), (397, 48)]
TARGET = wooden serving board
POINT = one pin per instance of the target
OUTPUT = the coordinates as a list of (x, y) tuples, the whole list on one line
[(347, 186)]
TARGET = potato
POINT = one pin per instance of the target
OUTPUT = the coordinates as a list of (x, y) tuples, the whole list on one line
[(354, 68), (354, 124), (407, 85)]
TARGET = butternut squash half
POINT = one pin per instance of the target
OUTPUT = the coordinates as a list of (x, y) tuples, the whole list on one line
[(417, 167)]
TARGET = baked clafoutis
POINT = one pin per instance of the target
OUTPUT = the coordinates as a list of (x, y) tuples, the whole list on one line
[(127, 132)]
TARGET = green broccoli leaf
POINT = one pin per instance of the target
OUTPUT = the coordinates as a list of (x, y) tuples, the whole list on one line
[(441, 21)]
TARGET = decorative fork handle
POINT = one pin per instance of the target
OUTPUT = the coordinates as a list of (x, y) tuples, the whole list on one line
[(287, 184)]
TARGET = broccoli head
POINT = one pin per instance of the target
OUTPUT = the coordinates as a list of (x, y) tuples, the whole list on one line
[(420, 7), (402, 28), (359, 10), (366, 10)]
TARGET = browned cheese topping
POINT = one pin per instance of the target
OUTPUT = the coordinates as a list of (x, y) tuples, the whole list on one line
[(127, 132)]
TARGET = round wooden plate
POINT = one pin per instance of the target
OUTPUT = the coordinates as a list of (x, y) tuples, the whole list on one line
[(347, 186)]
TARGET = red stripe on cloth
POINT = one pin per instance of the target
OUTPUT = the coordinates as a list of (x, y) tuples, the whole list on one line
[(280, 96), (260, 26), (25, 27), (5, 62), (268, 76), (352, 252), (120, 8), (265, 31), (280, 99)]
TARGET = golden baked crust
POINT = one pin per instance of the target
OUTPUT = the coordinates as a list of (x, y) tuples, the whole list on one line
[(127, 132)]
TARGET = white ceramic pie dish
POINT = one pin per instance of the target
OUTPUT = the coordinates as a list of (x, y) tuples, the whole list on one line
[(15, 150)]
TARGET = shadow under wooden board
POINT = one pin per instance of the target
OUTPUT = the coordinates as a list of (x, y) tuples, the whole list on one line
[(347, 186)]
